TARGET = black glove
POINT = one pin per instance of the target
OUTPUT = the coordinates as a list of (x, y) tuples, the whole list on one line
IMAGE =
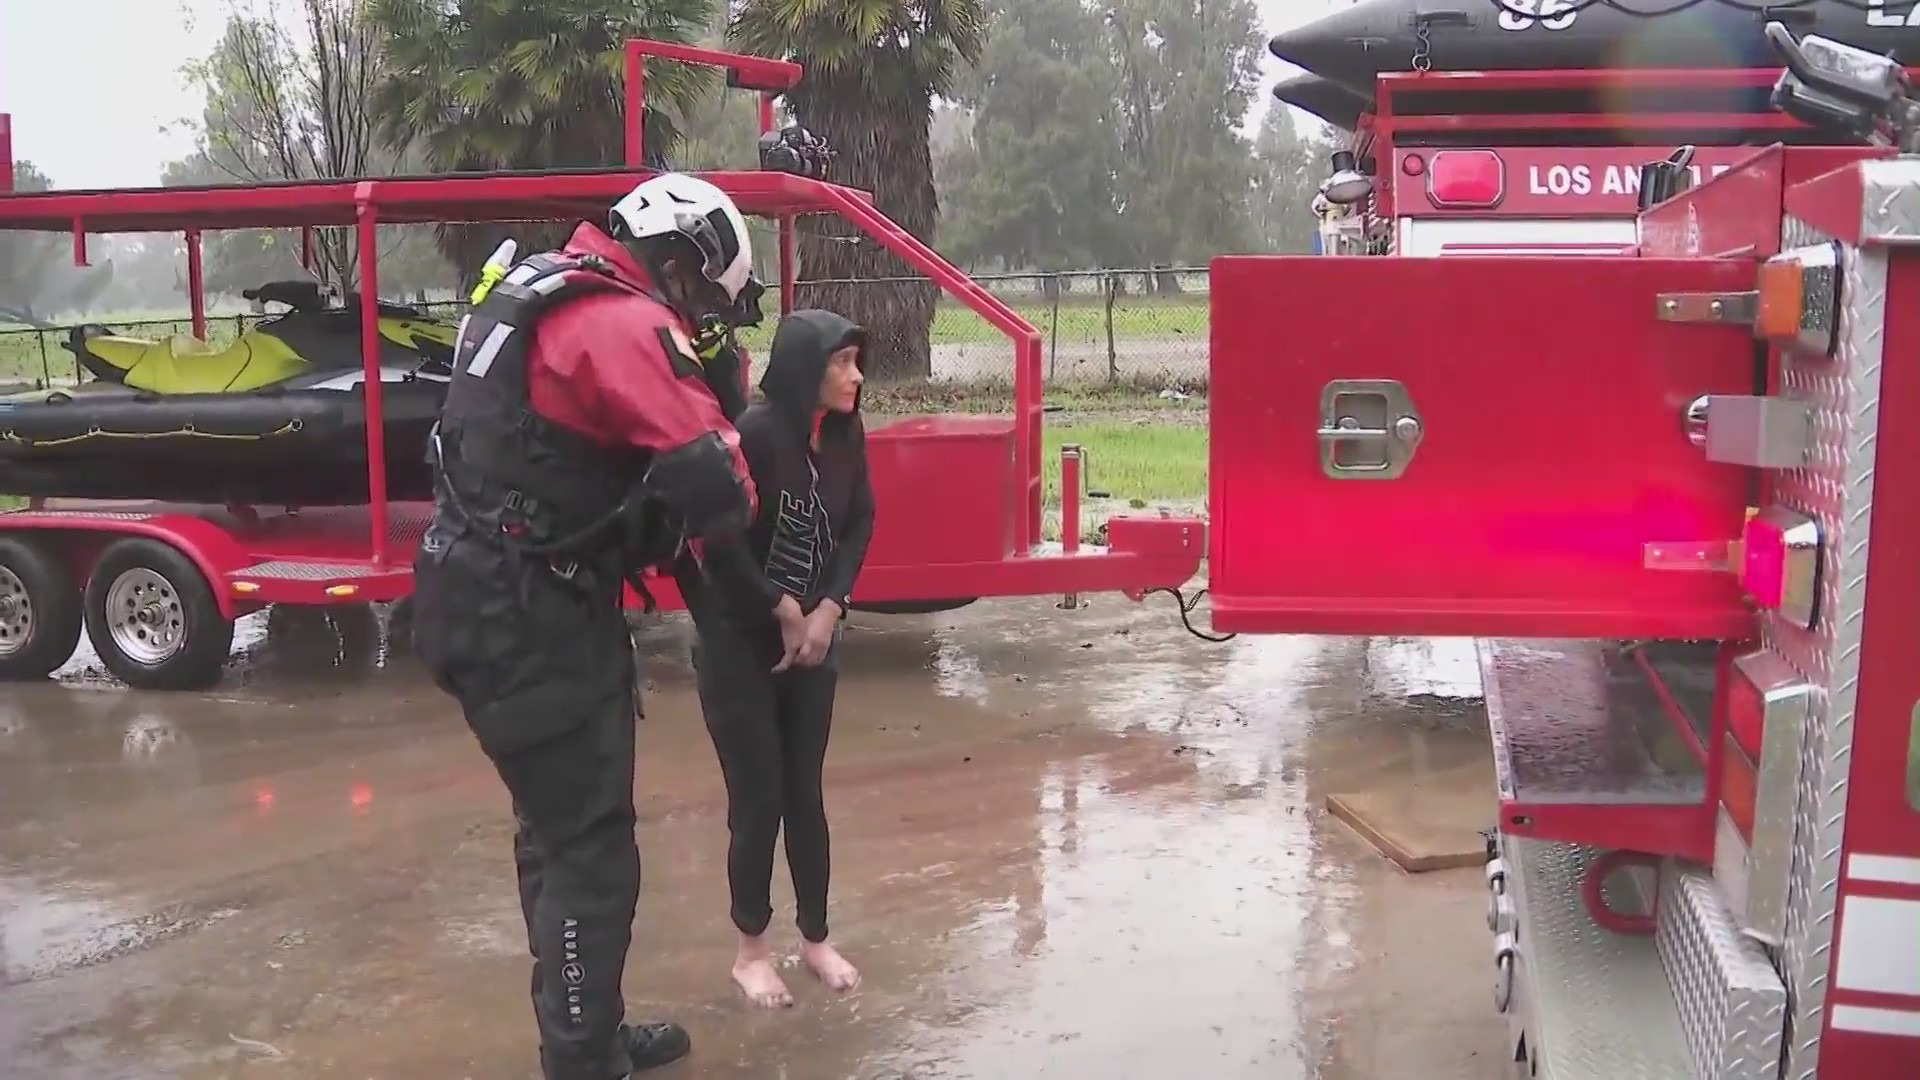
[(720, 360), (696, 486)]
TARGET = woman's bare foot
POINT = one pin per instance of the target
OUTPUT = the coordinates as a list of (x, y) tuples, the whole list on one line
[(753, 972), (831, 968)]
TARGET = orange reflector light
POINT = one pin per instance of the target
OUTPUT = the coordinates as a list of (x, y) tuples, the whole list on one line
[(342, 590), (1782, 299), (246, 587), (1739, 780), (1799, 299), (1465, 179)]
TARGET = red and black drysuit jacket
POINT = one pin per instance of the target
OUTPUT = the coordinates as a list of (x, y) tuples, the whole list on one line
[(572, 378)]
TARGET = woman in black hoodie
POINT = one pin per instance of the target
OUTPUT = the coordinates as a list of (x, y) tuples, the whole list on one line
[(767, 612)]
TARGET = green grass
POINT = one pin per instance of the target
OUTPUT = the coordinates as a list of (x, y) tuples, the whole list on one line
[(1136, 463), (1080, 320), (1131, 396)]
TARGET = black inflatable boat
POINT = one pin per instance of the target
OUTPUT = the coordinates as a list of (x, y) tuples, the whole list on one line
[(298, 443), (277, 417)]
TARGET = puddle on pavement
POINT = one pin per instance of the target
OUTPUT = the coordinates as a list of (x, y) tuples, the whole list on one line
[(44, 933), (1066, 843)]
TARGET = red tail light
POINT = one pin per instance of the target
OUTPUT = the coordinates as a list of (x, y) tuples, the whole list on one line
[(1465, 179)]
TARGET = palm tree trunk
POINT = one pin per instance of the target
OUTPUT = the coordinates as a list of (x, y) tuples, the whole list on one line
[(883, 148)]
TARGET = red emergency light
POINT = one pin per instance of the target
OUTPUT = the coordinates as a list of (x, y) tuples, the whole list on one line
[(1461, 179)]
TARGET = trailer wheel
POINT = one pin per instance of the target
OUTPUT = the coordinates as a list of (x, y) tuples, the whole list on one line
[(39, 611), (152, 618)]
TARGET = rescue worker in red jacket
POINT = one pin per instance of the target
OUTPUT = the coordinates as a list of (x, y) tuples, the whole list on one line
[(581, 440)]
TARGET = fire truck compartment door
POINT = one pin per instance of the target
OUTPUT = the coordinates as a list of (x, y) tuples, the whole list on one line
[(1472, 446)]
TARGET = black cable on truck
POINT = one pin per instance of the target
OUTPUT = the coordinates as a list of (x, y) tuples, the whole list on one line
[(1186, 608)]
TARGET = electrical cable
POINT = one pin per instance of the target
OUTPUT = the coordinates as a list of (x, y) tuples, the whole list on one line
[(1186, 608)]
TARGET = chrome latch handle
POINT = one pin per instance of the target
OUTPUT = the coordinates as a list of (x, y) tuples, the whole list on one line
[(1369, 429)]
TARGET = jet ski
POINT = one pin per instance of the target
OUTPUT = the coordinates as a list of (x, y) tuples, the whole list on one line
[(311, 337), (279, 418)]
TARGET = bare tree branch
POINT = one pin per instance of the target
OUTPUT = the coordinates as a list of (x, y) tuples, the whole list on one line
[(287, 109)]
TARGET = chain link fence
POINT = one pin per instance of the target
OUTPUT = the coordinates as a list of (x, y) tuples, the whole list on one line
[(1144, 330)]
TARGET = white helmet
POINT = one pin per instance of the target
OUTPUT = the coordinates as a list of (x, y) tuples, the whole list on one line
[(675, 204)]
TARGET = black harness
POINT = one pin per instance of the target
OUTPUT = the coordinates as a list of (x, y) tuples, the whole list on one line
[(504, 471)]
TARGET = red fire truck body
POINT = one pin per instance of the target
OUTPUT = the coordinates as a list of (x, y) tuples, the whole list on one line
[(1644, 476)]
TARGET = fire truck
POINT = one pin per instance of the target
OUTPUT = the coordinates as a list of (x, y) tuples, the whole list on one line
[(1642, 475)]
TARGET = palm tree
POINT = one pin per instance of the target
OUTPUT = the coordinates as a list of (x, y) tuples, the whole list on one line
[(521, 84), (873, 68)]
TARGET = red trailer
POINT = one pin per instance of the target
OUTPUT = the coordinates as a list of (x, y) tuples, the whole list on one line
[(157, 587), (1651, 482)]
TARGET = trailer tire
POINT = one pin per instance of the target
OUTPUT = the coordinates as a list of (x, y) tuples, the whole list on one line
[(39, 611), (152, 617)]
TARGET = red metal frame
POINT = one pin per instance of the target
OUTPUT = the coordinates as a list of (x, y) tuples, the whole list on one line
[(768, 77), (992, 548), (1593, 892), (1880, 820)]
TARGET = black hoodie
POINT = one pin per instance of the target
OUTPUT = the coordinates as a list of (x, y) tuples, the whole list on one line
[(809, 536)]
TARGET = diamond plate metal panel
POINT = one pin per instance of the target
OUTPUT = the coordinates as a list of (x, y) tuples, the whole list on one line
[(1732, 1004), (1730, 862), (406, 527), (1575, 722), (1836, 489), (282, 570), (1596, 1004), (1890, 207)]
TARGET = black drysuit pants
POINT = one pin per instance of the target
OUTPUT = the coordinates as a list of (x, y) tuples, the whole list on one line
[(543, 669), (770, 732)]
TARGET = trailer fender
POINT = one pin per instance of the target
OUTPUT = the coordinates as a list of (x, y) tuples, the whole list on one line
[(211, 549)]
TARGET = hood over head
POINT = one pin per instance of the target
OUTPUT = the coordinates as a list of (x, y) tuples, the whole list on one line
[(797, 361)]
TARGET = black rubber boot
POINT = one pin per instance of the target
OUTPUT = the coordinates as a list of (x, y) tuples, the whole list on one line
[(650, 1046)]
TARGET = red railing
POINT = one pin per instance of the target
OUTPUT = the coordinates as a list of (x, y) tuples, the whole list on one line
[(770, 78)]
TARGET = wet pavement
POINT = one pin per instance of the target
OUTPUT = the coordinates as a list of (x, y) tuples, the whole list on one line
[(1072, 844)]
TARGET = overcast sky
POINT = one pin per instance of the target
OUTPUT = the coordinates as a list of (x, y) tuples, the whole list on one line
[(95, 85)]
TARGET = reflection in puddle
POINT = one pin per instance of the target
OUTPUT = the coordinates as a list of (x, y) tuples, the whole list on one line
[(43, 933), (1185, 853), (1423, 667), (148, 737), (956, 670)]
